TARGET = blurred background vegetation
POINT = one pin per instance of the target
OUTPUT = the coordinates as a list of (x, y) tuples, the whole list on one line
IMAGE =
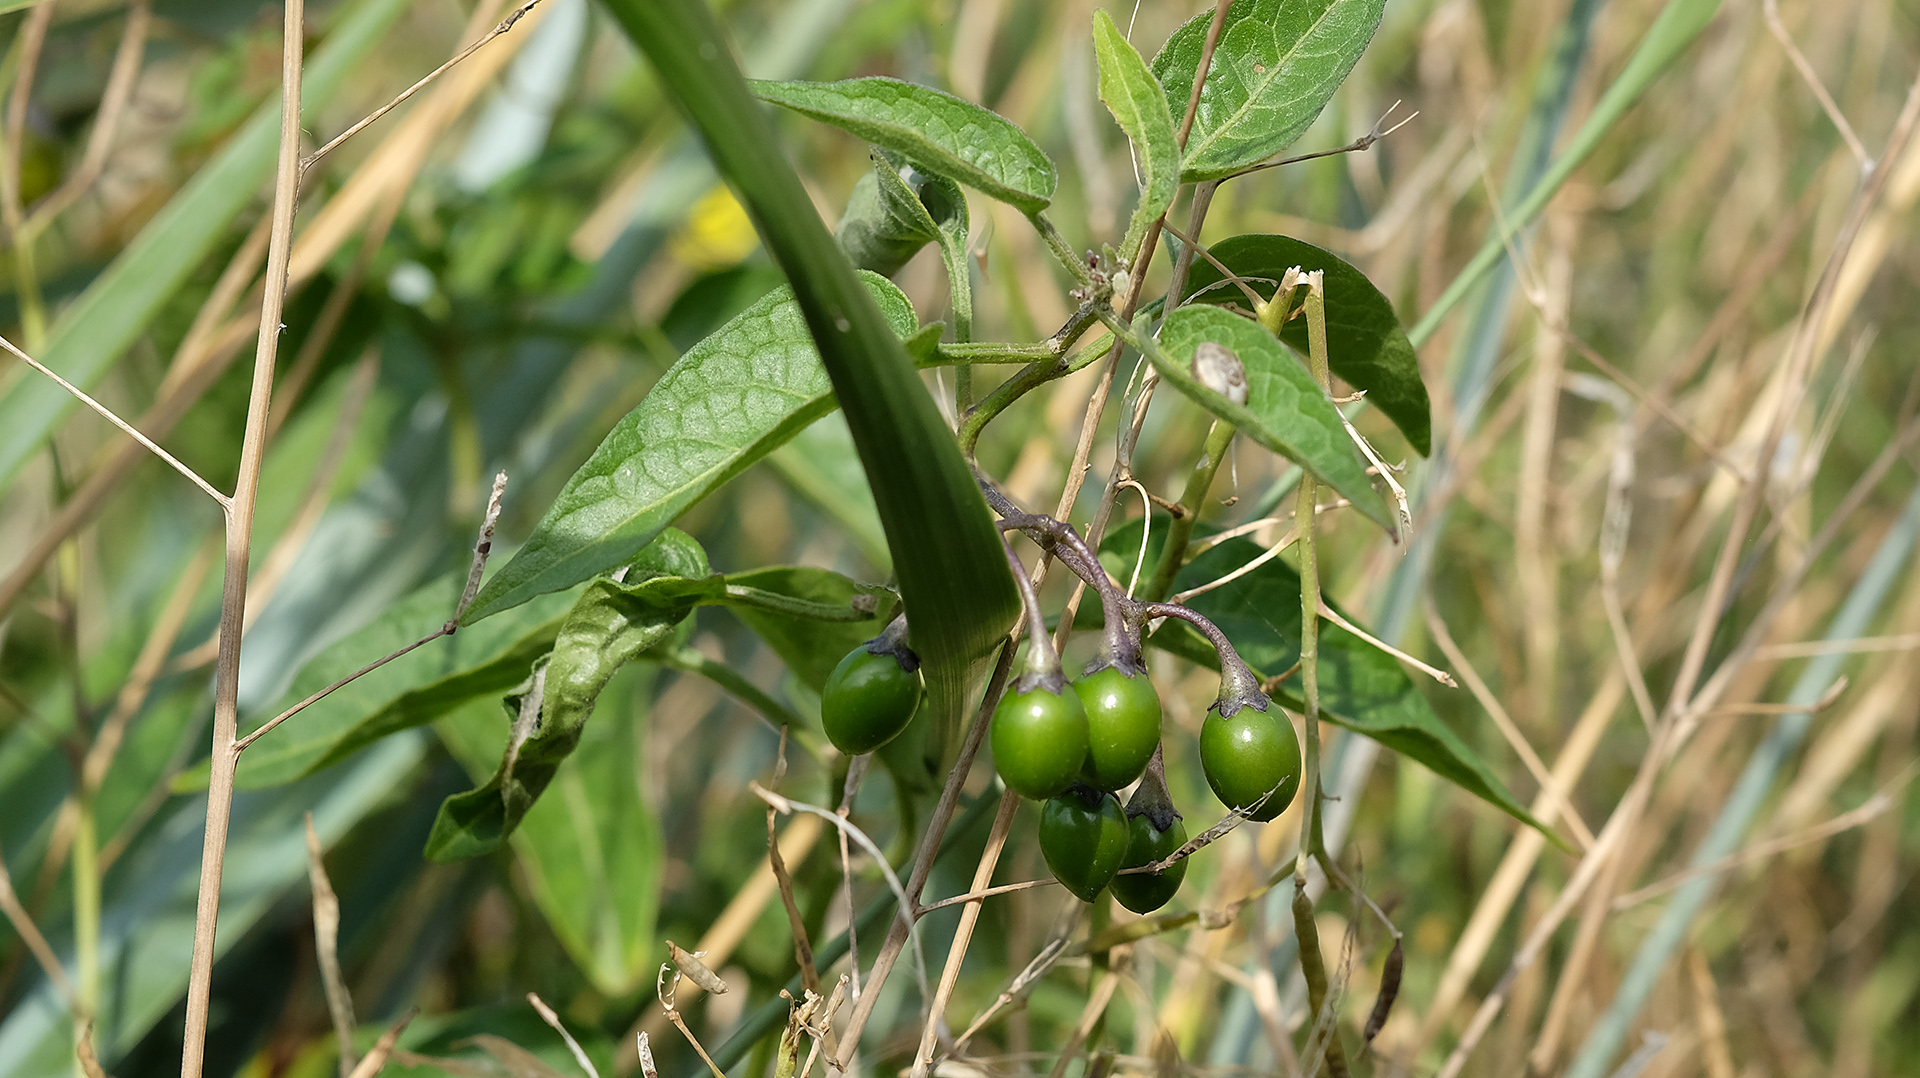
[(492, 275)]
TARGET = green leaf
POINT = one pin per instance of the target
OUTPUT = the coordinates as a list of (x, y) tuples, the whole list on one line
[(745, 389), (609, 625), (1361, 687), (1139, 106), (1285, 411), (1365, 344), (1277, 65), (480, 660), (946, 554), (591, 849), (116, 308), (935, 130), (811, 647)]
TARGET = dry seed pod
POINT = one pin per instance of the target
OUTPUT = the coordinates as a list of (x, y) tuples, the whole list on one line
[(696, 970)]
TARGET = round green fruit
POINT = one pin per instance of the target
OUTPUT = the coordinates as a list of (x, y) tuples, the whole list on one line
[(868, 700), (1123, 726), (1083, 841), (1039, 741), (1249, 754), (1144, 892)]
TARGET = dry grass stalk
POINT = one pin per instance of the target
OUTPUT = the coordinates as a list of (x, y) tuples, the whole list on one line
[(963, 934), (1548, 786), (901, 926), (552, 1019), (326, 949), (226, 747)]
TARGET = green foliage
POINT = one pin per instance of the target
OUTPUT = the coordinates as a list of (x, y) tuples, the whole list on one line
[(1365, 344), (591, 848), (1277, 64), (887, 221), (746, 388), (948, 558), (1139, 106), (931, 128), (480, 660), (90, 336), (608, 627), (1284, 410)]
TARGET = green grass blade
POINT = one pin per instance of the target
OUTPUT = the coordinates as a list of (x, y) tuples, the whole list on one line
[(90, 336), (950, 563), (1673, 30)]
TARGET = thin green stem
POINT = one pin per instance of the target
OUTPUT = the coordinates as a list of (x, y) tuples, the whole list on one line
[(1311, 840), (1303, 516), (960, 296), (86, 912), (1030, 378), (1192, 501), (1046, 366), (693, 661), (1062, 251), (33, 307)]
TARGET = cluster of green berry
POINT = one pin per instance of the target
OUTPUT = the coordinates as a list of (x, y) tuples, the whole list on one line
[(1075, 745)]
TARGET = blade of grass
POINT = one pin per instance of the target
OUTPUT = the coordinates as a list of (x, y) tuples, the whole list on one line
[(952, 572), (1672, 31)]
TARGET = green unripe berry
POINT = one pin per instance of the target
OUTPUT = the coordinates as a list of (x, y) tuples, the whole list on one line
[(868, 700), (1039, 740), (1144, 892), (1248, 754), (1083, 840), (1123, 726)]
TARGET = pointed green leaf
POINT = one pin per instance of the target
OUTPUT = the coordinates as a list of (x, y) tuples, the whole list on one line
[(948, 558), (935, 130), (1276, 66), (116, 308), (1285, 411), (733, 397), (1361, 687), (1139, 106), (1365, 344)]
